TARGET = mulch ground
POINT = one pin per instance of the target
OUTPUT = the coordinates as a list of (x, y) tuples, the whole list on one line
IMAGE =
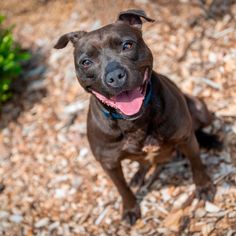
[(50, 183)]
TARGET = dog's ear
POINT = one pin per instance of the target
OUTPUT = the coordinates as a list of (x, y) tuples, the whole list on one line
[(72, 37), (134, 17)]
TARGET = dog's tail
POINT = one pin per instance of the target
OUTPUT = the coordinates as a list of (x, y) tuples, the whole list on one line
[(208, 141)]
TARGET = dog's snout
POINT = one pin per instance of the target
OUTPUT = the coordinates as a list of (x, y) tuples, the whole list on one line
[(116, 78)]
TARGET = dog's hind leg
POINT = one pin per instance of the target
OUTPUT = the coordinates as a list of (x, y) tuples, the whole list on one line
[(200, 114), (201, 118)]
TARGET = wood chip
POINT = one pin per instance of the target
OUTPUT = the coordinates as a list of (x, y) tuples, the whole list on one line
[(172, 221), (102, 216), (210, 207)]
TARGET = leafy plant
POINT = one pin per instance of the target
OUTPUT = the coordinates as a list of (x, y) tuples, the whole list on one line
[(11, 57)]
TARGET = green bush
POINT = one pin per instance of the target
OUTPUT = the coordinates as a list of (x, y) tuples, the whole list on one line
[(11, 57)]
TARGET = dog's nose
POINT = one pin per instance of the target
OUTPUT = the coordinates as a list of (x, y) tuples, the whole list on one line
[(116, 78)]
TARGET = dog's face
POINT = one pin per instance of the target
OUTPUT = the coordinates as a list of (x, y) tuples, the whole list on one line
[(113, 62)]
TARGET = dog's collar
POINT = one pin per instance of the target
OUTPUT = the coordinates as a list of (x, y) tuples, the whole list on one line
[(118, 116)]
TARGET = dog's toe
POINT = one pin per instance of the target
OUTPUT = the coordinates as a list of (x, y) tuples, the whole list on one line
[(206, 192), (132, 215)]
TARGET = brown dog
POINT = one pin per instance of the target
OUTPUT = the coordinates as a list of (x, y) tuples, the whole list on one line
[(134, 112)]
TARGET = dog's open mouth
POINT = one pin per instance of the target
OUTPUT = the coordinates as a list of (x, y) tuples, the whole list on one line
[(128, 102)]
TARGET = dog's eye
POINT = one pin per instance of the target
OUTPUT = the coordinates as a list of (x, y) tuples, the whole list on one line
[(127, 45), (86, 63)]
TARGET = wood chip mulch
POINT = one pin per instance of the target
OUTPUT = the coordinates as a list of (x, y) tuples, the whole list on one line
[(50, 183)]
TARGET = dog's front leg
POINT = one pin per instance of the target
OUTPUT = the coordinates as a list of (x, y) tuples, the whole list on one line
[(131, 209), (204, 186)]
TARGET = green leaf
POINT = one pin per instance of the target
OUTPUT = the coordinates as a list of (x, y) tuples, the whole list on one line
[(2, 18), (11, 57), (24, 56)]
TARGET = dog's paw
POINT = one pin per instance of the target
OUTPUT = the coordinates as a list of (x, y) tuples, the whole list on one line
[(206, 192), (132, 215)]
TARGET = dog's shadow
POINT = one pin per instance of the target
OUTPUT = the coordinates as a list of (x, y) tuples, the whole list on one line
[(29, 88), (176, 173), (220, 166)]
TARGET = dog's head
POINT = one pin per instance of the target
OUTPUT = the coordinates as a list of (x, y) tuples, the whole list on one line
[(114, 63)]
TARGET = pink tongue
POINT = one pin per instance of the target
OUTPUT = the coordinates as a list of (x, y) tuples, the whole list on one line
[(129, 103)]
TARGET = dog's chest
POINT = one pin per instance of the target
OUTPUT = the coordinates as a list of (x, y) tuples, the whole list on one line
[(141, 143), (137, 136), (150, 150)]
